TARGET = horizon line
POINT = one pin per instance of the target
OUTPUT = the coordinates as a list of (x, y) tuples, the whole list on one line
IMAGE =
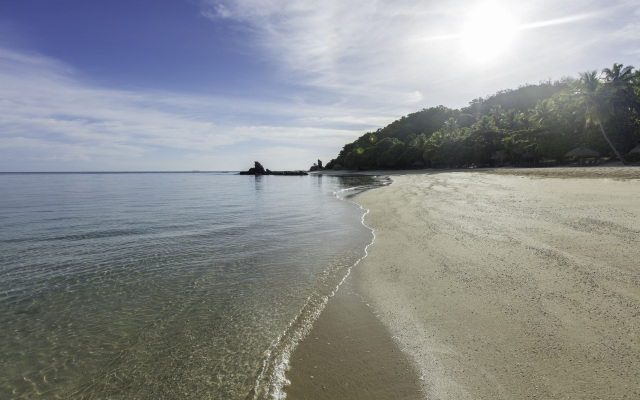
[(128, 172)]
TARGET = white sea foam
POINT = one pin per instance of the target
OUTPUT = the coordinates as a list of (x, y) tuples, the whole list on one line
[(277, 362)]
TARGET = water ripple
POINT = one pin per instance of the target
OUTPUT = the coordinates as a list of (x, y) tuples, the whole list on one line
[(163, 286)]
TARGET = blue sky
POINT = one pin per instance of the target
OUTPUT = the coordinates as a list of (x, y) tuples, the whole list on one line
[(152, 85)]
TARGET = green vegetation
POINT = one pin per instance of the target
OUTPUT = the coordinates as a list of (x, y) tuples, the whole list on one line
[(534, 125)]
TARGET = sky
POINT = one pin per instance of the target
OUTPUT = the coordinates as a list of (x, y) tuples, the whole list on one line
[(214, 85)]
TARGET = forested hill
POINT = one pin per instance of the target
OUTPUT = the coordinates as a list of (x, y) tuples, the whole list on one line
[(531, 125)]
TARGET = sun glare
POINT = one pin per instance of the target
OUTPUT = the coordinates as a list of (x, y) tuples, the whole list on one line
[(488, 33)]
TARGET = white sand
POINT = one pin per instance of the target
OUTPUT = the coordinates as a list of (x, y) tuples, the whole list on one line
[(502, 286)]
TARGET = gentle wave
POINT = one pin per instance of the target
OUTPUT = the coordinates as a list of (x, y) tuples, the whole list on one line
[(272, 379)]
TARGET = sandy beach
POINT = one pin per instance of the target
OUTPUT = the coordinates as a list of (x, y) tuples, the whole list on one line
[(508, 284)]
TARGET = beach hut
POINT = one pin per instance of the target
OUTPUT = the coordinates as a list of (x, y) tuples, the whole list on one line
[(582, 153)]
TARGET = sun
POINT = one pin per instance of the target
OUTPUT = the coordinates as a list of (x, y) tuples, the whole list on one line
[(488, 33)]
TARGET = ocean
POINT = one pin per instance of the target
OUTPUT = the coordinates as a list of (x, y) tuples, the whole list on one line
[(166, 285)]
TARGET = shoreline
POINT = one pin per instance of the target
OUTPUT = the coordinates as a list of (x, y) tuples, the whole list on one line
[(613, 171), (350, 354), (508, 283)]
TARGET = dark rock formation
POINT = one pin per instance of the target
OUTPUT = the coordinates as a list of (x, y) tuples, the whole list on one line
[(316, 167), (258, 169)]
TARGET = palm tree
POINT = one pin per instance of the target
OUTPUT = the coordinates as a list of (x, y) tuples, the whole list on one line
[(590, 93), (619, 74), (543, 113), (635, 90), (635, 80), (619, 80)]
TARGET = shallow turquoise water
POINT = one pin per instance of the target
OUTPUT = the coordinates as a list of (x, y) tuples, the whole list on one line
[(167, 285)]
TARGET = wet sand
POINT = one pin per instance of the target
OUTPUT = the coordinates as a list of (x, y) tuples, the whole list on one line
[(350, 354), (503, 284)]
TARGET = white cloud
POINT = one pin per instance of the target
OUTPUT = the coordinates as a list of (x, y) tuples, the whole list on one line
[(348, 120), (300, 136), (48, 115), (355, 66), (376, 52)]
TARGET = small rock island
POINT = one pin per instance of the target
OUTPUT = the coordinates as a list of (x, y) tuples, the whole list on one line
[(258, 169)]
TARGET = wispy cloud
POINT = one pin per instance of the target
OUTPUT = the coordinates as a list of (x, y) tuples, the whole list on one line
[(559, 21), (354, 66), (42, 101), (48, 112), (388, 49), (342, 46)]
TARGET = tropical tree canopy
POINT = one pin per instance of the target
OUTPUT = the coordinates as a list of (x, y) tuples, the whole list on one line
[(531, 125)]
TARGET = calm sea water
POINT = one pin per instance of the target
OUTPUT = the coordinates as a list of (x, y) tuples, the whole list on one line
[(166, 285)]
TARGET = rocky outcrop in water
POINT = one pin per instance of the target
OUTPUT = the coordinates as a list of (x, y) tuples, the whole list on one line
[(317, 167), (258, 169)]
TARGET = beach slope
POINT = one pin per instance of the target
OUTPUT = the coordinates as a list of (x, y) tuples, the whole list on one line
[(505, 286)]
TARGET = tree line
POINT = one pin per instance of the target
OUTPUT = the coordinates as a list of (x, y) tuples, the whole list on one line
[(534, 125)]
